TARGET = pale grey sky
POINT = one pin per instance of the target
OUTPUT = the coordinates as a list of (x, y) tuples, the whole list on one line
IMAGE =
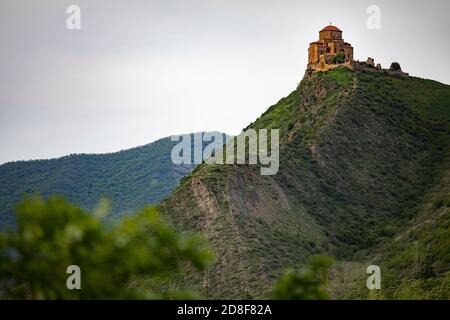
[(141, 70)]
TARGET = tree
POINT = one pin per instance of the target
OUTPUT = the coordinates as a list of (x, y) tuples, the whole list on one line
[(307, 285), (395, 66), (338, 58), (52, 235)]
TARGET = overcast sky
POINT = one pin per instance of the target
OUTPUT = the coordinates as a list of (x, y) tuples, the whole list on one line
[(141, 70)]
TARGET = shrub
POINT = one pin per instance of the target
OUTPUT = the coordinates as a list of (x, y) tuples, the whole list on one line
[(52, 235), (395, 66), (339, 58), (307, 285)]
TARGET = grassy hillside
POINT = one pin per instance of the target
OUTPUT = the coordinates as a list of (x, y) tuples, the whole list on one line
[(416, 262), (359, 154), (131, 179)]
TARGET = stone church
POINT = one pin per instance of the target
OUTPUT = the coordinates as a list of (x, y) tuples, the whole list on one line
[(321, 53)]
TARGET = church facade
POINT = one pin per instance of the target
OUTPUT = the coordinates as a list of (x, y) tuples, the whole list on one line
[(330, 44)]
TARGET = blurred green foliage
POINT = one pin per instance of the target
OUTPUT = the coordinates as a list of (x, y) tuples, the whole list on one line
[(307, 285), (53, 234)]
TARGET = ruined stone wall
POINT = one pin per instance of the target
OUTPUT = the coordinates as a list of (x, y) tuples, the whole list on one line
[(364, 66)]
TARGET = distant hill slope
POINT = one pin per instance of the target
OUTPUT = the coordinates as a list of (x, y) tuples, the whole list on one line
[(359, 153), (131, 178)]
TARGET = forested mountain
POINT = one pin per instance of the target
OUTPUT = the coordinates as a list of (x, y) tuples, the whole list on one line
[(130, 179)]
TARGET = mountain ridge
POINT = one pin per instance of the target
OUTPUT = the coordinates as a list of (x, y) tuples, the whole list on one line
[(357, 152), (130, 178)]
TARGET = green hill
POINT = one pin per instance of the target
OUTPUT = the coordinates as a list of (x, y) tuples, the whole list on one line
[(362, 162), (131, 179)]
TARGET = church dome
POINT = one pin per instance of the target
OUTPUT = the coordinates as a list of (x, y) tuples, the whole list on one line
[(330, 28)]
